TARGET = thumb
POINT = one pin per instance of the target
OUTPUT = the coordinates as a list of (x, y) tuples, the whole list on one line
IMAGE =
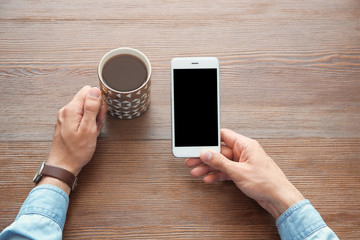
[(218, 162), (91, 109)]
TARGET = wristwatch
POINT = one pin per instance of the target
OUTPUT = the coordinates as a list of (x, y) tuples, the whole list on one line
[(56, 172)]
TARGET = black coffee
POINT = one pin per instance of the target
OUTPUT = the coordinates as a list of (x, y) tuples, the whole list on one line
[(124, 73)]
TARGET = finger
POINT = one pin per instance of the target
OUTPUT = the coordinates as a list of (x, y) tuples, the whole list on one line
[(227, 152), (192, 162), (100, 126), (230, 138), (216, 177), (91, 110), (201, 170), (218, 162), (103, 109), (80, 96), (72, 113)]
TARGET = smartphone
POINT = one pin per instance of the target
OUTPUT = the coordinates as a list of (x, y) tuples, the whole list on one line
[(195, 105)]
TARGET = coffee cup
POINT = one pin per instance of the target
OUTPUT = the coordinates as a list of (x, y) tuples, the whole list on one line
[(124, 75)]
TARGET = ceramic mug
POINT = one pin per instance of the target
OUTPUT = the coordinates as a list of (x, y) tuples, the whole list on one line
[(129, 103)]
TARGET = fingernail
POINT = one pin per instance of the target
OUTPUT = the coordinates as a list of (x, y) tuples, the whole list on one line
[(94, 92), (206, 156)]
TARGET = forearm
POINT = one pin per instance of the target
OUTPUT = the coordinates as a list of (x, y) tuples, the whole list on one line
[(42, 215)]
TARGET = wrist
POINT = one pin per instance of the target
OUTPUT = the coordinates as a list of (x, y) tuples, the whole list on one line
[(282, 201), (62, 164), (56, 182), (50, 174)]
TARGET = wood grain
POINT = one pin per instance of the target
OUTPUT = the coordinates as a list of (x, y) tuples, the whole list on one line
[(134, 188), (290, 77)]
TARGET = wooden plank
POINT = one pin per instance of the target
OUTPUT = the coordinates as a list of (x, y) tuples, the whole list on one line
[(232, 9), (281, 101), (136, 188)]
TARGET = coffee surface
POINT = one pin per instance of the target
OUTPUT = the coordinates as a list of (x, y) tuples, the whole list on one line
[(124, 73)]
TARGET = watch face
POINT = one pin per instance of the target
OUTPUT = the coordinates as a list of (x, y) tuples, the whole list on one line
[(38, 175)]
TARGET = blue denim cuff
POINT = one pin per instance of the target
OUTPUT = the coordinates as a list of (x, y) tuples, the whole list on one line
[(48, 201), (299, 221)]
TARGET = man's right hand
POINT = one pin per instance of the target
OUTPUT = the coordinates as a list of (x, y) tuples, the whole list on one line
[(244, 161)]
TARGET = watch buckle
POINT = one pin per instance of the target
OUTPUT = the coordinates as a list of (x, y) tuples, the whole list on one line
[(38, 174), (73, 187)]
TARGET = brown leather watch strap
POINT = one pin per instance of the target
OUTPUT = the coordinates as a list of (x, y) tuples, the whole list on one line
[(61, 174)]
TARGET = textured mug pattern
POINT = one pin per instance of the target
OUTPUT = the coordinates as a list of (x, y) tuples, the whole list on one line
[(127, 105)]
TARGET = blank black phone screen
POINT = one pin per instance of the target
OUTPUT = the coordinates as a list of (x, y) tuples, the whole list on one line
[(195, 107)]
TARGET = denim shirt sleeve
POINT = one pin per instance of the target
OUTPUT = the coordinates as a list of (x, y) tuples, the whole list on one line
[(42, 215), (302, 221)]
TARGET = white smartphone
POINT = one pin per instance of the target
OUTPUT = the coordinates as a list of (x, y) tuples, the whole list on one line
[(195, 101)]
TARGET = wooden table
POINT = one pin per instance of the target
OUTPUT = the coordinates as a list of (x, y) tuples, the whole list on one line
[(290, 77)]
